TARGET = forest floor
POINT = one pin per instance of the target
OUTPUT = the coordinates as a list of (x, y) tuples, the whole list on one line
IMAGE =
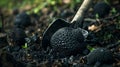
[(107, 31)]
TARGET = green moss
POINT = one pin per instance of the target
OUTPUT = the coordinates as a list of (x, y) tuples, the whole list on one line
[(90, 48), (25, 46)]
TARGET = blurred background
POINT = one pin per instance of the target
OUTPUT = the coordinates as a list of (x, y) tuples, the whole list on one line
[(43, 11)]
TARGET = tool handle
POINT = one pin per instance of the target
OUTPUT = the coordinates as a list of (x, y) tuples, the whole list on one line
[(81, 11)]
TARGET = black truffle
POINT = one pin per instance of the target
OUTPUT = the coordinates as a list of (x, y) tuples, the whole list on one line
[(102, 9), (68, 41), (17, 36), (22, 20), (101, 55), (103, 65)]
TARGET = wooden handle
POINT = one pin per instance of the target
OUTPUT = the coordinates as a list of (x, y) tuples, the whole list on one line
[(82, 10)]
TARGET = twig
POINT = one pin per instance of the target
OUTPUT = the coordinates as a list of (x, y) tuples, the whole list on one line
[(113, 45), (108, 18), (101, 22)]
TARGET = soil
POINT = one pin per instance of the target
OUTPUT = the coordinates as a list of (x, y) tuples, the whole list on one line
[(105, 34)]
